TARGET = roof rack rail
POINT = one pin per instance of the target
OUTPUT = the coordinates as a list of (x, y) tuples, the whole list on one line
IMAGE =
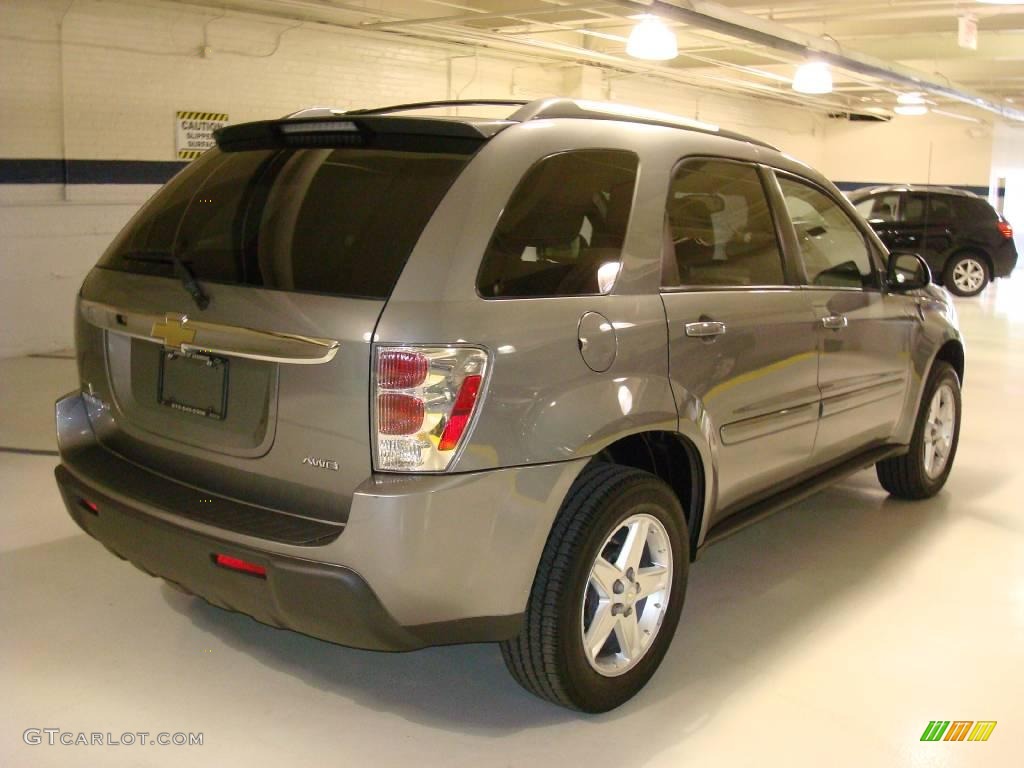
[(945, 188), (437, 104), (548, 109)]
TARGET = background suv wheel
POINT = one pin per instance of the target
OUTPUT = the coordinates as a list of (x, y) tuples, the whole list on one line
[(966, 274), (608, 591)]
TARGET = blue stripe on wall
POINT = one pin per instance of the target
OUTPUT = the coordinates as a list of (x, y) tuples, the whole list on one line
[(50, 171), (56, 171)]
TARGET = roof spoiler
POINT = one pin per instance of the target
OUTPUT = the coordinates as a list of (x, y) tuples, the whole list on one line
[(337, 129), (383, 120)]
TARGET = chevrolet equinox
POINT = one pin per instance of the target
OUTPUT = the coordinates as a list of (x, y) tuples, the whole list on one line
[(395, 380)]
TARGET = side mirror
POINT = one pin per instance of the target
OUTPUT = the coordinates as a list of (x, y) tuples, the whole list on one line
[(907, 272)]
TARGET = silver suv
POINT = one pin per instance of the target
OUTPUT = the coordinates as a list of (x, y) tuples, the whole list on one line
[(395, 381)]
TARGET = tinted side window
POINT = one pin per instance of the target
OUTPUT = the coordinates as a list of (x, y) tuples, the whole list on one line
[(914, 209), (719, 228), (879, 208), (561, 233), (940, 209), (972, 211), (832, 247)]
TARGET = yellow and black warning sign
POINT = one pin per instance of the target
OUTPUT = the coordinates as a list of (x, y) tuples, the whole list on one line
[(193, 132)]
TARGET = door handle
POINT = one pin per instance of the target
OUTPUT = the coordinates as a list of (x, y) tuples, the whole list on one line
[(834, 322), (704, 329)]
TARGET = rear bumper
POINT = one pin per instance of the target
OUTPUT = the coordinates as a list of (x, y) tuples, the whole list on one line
[(1004, 259), (423, 560), (326, 601)]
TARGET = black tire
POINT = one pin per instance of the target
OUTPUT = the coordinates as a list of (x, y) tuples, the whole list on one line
[(964, 258), (905, 476), (547, 657)]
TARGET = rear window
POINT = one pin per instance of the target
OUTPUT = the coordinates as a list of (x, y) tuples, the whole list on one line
[(338, 221), (561, 233)]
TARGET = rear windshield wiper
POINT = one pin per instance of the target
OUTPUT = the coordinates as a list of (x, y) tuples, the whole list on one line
[(181, 270)]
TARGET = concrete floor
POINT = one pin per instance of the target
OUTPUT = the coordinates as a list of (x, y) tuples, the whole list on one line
[(828, 635)]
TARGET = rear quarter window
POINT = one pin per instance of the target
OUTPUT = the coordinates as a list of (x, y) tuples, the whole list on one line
[(971, 210), (562, 231)]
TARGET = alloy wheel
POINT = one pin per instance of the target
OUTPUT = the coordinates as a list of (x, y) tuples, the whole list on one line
[(969, 275), (938, 431), (627, 595)]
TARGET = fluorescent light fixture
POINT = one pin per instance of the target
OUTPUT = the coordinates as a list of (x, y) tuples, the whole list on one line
[(911, 109), (1001, 2), (652, 40), (914, 97), (813, 77)]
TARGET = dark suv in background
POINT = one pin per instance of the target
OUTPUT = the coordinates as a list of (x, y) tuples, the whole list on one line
[(963, 239)]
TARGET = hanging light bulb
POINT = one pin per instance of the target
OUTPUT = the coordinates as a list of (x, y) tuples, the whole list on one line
[(813, 77), (652, 40)]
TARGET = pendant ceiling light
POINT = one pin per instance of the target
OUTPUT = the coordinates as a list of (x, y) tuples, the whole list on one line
[(813, 77), (652, 40)]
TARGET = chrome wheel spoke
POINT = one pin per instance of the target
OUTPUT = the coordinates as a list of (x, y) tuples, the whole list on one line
[(627, 632), (633, 548), (600, 629), (652, 580), (603, 577)]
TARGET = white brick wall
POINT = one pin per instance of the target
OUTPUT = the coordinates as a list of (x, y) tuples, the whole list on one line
[(111, 88)]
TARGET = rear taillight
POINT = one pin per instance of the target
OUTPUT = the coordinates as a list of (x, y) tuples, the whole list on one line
[(1005, 230), (424, 402), (399, 414), (463, 409), (401, 369)]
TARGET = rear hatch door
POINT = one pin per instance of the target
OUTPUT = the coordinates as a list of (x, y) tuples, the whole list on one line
[(229, 325)]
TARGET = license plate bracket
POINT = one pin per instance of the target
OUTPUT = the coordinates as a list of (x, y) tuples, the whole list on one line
[(194, 383)]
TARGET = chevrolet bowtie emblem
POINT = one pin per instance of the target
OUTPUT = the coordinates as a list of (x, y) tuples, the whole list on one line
[(172, 331)]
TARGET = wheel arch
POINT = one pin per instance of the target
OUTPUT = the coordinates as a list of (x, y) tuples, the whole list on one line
[(673, 458), (952, 352)]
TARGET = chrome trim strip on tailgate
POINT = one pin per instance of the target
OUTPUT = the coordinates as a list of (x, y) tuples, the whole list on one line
[(181, 332)]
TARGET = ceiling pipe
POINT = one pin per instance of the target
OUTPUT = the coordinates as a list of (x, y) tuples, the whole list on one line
[(770, 34)]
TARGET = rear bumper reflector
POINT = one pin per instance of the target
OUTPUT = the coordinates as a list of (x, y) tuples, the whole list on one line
[(243, 566)]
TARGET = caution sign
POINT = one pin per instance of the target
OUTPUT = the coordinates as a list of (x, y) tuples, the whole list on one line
[(193, 132)]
